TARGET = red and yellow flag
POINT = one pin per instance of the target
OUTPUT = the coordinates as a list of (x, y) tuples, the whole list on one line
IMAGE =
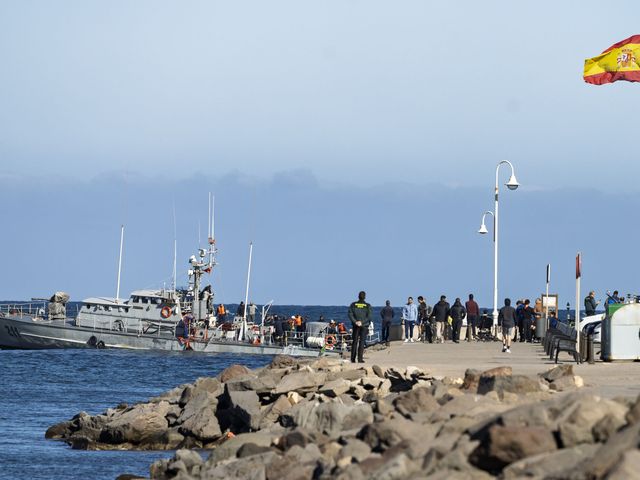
[(618, 62)]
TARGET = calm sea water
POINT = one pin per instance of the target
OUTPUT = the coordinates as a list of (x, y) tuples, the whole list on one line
[(39, 388)]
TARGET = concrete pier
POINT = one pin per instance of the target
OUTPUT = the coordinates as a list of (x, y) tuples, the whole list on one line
[(608, 379)]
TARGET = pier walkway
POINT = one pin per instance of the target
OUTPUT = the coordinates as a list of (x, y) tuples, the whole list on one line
[(609, 379)]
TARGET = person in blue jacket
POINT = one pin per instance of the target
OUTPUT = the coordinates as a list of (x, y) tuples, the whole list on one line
[(409, 315)]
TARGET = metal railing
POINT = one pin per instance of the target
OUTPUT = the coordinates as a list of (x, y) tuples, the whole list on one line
[(31, 309)]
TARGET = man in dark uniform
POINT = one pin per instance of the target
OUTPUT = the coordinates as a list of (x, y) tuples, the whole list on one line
[(387, 315), (360, 316)]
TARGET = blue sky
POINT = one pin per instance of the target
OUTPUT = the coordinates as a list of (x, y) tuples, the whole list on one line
[(354, 142)]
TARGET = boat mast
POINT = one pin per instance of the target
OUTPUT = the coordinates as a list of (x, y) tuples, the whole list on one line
[(246, 296), (212, 225), (175, 250), (119, 264), (175, 255)]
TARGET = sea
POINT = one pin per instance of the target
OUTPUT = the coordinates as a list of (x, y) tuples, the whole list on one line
[(39, 388)]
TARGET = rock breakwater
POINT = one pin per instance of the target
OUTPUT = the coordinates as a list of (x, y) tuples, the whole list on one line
[(323, 419)]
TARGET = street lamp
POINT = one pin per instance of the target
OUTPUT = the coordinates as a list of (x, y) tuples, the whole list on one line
[(511, 184), (483, 228)]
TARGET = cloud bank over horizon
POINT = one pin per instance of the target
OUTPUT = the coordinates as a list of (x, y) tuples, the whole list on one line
[(313, 244)]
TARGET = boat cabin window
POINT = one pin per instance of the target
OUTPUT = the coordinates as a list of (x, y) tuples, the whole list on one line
[(145, 300)]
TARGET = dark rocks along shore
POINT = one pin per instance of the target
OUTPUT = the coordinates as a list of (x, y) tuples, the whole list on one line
[(322, 419)]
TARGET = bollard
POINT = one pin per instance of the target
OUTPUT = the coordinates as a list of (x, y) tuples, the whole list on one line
[(590, 354)]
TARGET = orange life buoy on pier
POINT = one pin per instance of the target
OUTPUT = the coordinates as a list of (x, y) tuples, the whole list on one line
[(330, 340), (166, 312)]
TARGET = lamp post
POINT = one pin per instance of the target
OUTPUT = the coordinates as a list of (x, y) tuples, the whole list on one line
[(511, 184)]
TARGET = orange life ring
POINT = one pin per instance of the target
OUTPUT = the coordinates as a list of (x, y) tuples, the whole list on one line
[(256, 341), (330, 340), (166, 312)]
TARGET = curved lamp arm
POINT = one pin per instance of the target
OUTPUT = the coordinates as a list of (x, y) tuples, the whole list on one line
[(483, 227), (512, 183)]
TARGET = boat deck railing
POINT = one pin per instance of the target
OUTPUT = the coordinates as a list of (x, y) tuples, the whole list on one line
[(257, 334), (37, 311), (30, 309), (130, 325)]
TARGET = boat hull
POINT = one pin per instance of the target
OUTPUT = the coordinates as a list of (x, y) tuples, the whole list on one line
[(29, 334)]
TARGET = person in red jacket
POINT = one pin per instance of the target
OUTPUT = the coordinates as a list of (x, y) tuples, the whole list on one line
[(473, 315)]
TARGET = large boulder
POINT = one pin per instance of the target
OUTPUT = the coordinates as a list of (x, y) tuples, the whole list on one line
[(329, 418), (234, 371), (242, 412), (229, 448), (336, 387), (172, 396), (628, 468), (141, 425), (577, 426), (301, 382), (518, 384), (471, 380), (272, 412), (390, 432), (609, 455), (557, 464), (559, 371), (415, 401), (203, 384), (198, 418), (248, 468), (504, 445), (261, 385), (283, 361)]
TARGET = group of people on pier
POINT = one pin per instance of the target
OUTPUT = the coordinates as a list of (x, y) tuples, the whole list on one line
[(444, 321)]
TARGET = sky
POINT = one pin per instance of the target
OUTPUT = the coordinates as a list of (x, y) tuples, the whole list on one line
[(354, 142)]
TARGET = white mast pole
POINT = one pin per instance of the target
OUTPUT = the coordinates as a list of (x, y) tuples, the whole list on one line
[(546, 310), (175, 248), (577, 321), (212, 238), (246, 296), (120, 263), (175, 254)]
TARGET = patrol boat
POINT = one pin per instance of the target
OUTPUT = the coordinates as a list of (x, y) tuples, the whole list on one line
[(165, 319)]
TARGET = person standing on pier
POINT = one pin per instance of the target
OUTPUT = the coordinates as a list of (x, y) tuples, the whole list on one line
[(590, 304), (387, 315), (528, 319), (424, 311), (440, 313), (458, 314), (507, 317), (473, 315), (360, 316), (409, 315)]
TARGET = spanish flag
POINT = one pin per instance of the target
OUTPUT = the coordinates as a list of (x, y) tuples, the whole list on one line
[(618, 62)]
